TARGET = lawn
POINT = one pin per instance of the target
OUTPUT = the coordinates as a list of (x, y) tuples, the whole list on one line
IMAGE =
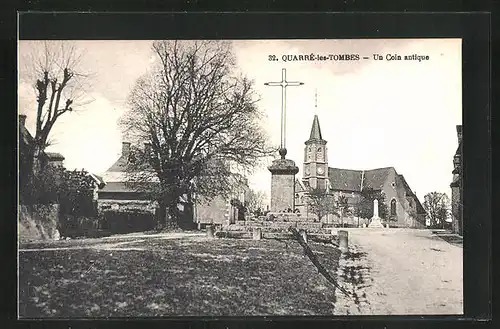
[(191, 276)]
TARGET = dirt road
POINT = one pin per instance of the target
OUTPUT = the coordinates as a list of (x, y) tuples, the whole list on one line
[(401, 272)]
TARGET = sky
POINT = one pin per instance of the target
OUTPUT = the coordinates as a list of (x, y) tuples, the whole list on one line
[(373, 113)]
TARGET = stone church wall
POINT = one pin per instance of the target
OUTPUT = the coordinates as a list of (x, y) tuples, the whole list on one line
[(403, 208), (456, 210)]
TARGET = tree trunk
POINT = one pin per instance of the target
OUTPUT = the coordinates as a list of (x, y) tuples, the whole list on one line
[(161, 215), (33, 167), (172, 217)]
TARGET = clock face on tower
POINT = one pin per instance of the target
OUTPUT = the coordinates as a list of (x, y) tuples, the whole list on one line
[(320, 170)]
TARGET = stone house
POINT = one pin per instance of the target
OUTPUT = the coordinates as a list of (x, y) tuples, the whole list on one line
[(456, 187), (118, 194), (26, 142), (54, 159), (403, 206)]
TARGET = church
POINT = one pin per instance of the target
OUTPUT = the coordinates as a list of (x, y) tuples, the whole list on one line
[(404, 208)]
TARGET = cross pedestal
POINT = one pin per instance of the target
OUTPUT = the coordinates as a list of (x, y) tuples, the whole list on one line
[(283, 173)]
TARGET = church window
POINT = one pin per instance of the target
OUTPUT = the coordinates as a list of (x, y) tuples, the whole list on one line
[(319, 149), (393, 207)]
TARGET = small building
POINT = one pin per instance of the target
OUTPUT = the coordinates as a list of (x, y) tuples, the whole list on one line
[(120, 193), (55, 159), (456, 187), (26, 144)]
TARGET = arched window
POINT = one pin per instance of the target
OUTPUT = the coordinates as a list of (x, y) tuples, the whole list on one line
[(393, 207), (319, 149), (296, 196)]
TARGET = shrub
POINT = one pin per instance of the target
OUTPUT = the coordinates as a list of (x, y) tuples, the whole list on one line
[(75, 226), (126, 221)]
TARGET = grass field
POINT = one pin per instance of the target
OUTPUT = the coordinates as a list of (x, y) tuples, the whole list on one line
[(190, 276)]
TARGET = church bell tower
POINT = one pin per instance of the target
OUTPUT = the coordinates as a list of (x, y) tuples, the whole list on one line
[(315, 158)]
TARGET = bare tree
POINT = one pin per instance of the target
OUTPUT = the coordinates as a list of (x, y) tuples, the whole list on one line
[(437, 207), (344, 208), (200, 119), (364, 207), (59, 84), (255, 201), (321, 203)]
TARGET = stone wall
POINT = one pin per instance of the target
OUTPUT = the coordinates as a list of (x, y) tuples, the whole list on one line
[(126, 205), (456, 210), (38, 223)]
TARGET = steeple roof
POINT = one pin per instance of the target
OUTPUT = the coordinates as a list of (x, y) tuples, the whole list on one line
[(315, 129)]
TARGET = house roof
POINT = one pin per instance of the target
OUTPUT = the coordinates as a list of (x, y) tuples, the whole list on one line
[(376, 178), (345, 179), (351, 180), (54, 156), (25, 135), (120, 165), (409, 192), (98, 179), (27, 140), (116, 187), (124, 187)]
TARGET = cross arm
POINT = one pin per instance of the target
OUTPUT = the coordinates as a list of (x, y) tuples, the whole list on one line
[(294, 83), (273, 84)]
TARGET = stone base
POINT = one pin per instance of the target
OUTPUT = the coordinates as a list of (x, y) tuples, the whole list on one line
[(375, 223), (283, 173)]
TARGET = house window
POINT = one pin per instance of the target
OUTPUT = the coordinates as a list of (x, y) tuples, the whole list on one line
[(393, 207)]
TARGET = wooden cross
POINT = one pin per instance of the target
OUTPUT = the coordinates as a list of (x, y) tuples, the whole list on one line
[(283, 84)]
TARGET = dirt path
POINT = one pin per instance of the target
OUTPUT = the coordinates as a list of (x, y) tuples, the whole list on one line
[(401, 271), (115, 242)]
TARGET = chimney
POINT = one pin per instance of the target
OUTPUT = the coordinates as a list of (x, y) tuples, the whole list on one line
[(459, 133), (125, 148), (147, 148), (22, 119)]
